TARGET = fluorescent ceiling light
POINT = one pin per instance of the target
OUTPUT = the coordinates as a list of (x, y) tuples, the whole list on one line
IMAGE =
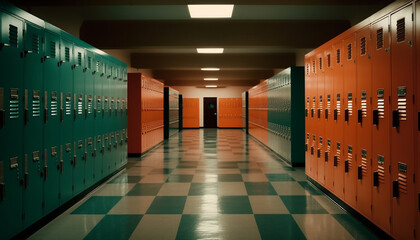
[(210, 69), (211, 79), (210, 10), (210, 50), (211, 86)]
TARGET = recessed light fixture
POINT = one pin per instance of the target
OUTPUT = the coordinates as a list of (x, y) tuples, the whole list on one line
[(210, 10), (211, 86), (210, 50), (210, 69), (211, 79)]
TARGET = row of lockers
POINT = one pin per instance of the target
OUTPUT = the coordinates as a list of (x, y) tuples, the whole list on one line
[(362, 118), (171, 112), (191, 112), (145, 113), (230, 113), (62, 118), (276, 116)]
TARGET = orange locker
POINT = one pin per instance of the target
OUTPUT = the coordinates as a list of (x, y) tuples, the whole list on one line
[(328, 119), (338, 116), (134, 113), (402, 132), (364, 121), (230, 112), (320, 120), (314, 123), (308, 118), (191, 113), (381, 122), (350, 120)]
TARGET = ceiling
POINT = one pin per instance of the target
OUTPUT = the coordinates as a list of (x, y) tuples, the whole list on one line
[(158, 36)]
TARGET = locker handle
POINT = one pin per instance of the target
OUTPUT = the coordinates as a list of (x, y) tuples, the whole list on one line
[(306, 112), (26, 52), (318, 153), (395, 190), (86, 113), (335, 114), (346, 115), (45, 115), (61, 166), (326, 113), (94, 115), (26, 117), (45, 172), (326, 156), (2, 191), (359, 116), (306, 147), (26, 180), (94, 153), (359, 172), (74, 114), (2, 118), (312, 150), (312, 112), (376, 179), (335, 161), (375, 117), (395, 119), (61, 115), (319, 113), (346, 166)]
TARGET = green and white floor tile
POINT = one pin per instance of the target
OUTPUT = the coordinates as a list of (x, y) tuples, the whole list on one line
[(206, 184)]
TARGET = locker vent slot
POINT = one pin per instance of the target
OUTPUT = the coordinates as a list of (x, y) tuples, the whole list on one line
[(401, 30), (350, 161), (35, 43), (329, 102), (364, 162), (98, 104), (321, 105), (89, 62), (379, 38), (67, 54), (68, 104), (79, 59), (307, 68), (338, 56), (14, 103), (320, 63), (54, 104), (80, 104), (349, 51), (89, 104), (363, 46), (14, 162), (402, 109), (381, 108), (364, 108), (52, 49), (97, 66), (337, 157), (350, 107), (13, 36), (329, 60), (313, 66), (338, 104), (381, 168), (36, 104)]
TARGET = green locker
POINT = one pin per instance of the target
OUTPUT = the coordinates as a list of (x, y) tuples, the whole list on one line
[(79, 135), (114, 117), (33, 166), (99, 148), (66, 129), (11, 124), (124, 114), (107, 116), (52, 153), (89, 119)]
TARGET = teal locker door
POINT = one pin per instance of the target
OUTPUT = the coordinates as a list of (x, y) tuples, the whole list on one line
[(11, 125), (53, 149), (98, 116), (114, 117), (89, 119), (124, 114), (33, 167), (106, 118), (79, 135), (66, 129)]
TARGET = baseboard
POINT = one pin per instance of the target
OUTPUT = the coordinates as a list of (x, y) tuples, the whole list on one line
[(148, 150), (189, 128), (26, 233), (379, 232)]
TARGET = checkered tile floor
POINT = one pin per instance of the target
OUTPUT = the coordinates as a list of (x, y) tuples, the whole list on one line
[(206, 184)]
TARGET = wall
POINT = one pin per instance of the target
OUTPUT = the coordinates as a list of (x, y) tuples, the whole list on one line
[(194, 92)]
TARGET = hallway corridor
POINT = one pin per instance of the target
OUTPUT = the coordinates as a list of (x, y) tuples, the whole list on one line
[(206, 184)]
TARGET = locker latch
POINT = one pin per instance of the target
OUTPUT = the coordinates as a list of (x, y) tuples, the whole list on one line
[(359, 172), (376, 179), (319, 113), (45, 107), (395, 190), (375, 117), (326, 113), (326, 156), (335, 114), (312, 112), (395, 119), (359, 116), (306, 147), (61, 159), (45, 164), (306, 112), (346, 115), (312, 150), (346, 166), (26, 111), (335, 161), (318, 153)]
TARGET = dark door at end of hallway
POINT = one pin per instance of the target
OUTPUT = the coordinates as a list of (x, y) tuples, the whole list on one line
[(210, 112)]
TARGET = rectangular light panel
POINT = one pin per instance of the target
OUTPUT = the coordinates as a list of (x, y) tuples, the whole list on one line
[(210, 69), (210, 10), (211, 86), (211, 79), (210, 50)]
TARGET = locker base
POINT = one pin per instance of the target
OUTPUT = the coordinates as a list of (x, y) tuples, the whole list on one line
[(148, 150), (57, 212), (353, 212)]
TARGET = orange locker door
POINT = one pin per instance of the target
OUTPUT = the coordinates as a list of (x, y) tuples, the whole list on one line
[(319, 117), (314, 140), (338, 116), (308, 122), (350, 121), (381, 122), (402, 132), (364, 122), (328, 119)]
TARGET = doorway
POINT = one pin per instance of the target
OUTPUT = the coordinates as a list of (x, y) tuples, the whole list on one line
[(210, 112)]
